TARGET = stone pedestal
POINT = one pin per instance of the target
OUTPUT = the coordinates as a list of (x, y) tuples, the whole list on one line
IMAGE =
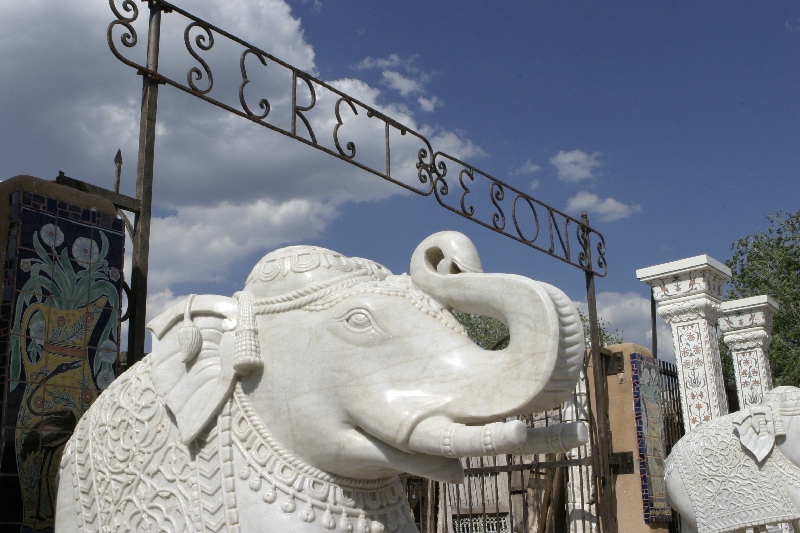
[(689, 293), (746, 326)]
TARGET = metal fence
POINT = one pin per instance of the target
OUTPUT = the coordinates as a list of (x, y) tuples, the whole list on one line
[(547, 493), (673, 418), (526, 494)]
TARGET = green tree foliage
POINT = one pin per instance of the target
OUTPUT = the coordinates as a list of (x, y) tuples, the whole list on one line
[(491, 334), (487, 332), (607, 337), (768, 262)]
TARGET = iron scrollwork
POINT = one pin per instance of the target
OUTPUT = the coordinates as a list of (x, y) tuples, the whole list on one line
[(200, 41), (468, 210), (584, 232), (351, 146), (499, 218), (263, 103), (432, 166), (493, 215), (516, 222), (129, 38), (601, 253), (585, 255), (297, 111), (427, 171)]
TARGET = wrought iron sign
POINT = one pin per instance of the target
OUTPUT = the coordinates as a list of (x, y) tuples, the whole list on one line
[(456, 185)]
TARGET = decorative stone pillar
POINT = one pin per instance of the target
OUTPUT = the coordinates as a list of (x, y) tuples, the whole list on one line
[(746, 327), (689, 293)]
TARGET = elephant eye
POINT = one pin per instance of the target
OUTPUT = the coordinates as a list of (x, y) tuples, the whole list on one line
[(360, 321)]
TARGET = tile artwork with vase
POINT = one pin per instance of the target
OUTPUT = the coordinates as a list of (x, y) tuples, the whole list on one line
[(59, 342)]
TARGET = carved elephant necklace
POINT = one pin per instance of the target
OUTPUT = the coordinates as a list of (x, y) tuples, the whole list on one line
[(134, 474)]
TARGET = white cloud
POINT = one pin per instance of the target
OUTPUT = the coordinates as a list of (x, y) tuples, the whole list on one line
[(608, 209), (412, 82), (201, 243), (528, 168), (575, 166), (393, 61), (534, 185), (158, 302), (235, 189), (630, 313), (268, 24), (400, 83), (428, 104), (453, 143)]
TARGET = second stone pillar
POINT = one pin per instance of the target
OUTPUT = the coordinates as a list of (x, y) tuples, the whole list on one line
[(746, 327)]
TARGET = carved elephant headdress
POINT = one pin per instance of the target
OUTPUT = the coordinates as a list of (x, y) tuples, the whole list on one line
[(196, 384)]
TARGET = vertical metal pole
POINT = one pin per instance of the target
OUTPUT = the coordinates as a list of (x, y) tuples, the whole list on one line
[(144, 191), (602, 469), (653, 324), (118, 169)]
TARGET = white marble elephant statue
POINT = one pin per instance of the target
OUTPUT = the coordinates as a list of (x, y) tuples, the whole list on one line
[(293, 405), (740, 471)]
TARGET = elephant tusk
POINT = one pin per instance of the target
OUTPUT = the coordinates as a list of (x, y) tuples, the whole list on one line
[(439, 436), (557, 438)]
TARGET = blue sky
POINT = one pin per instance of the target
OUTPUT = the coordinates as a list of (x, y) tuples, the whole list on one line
[(675, 124)]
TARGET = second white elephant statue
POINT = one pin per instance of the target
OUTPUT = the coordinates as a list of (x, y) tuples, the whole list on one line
[(740, 471), (291, 406)]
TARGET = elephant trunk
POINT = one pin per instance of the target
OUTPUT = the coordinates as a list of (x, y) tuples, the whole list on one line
[(541, 365)]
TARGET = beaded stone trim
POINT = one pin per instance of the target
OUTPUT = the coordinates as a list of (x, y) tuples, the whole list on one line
[(279, 476)]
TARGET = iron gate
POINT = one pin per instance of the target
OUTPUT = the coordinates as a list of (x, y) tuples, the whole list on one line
[(529, 494), (673, 418)]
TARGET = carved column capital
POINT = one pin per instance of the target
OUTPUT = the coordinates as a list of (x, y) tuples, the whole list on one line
[(748, 340), (701, 307), (747, 313), (694, 276)]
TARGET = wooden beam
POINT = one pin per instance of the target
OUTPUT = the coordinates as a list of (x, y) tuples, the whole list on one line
[(119, 200)]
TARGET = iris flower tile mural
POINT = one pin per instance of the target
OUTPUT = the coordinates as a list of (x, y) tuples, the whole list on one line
[(60, 326), (650, 437)]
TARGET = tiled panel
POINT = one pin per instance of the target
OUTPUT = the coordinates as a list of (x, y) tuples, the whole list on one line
[(59, 336), (650, 437)]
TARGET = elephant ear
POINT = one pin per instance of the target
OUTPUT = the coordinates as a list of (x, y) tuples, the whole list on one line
[(194, 380), (756, 429)]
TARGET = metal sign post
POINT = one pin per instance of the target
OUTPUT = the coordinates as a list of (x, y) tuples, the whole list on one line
[(137, 302)]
